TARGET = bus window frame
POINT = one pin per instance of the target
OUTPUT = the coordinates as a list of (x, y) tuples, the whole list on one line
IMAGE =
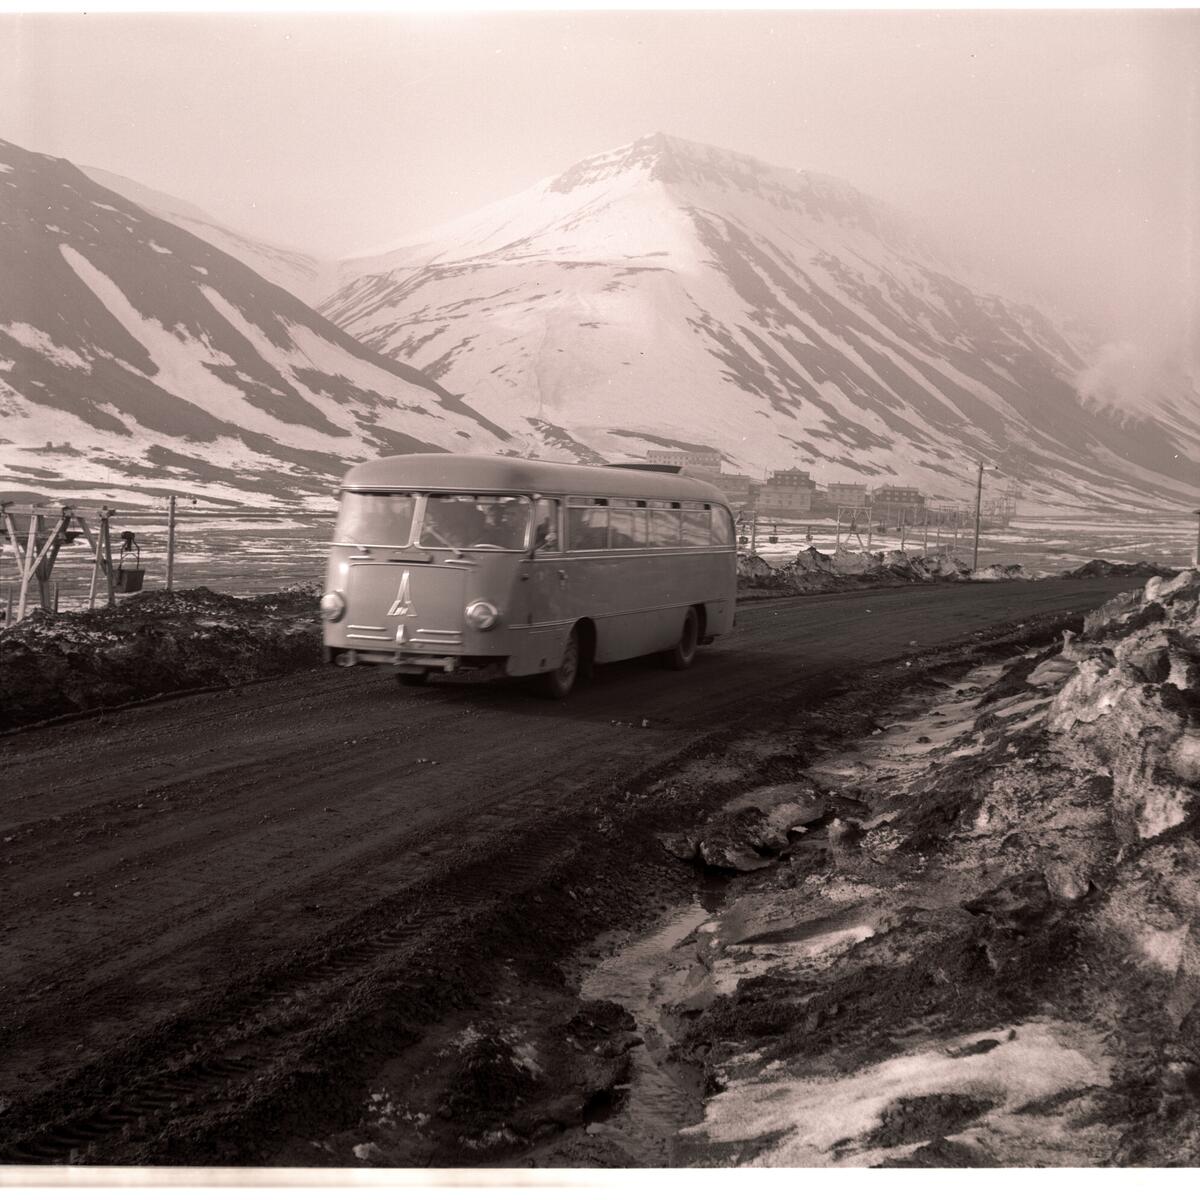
[(418, 500), (419, 522)]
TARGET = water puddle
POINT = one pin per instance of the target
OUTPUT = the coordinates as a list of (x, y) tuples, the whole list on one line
[(648, 977)]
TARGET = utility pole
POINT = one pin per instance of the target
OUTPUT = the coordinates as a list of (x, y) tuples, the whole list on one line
[(754, 532), (1196, 556), (978, 502), (171, 542)]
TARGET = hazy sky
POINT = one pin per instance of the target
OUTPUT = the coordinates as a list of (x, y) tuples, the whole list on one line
[(1066, 146)]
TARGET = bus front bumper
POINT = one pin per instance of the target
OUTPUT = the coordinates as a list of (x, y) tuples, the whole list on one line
[(407, 662)]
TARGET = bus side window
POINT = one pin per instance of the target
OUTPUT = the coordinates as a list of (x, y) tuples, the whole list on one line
[(696, 525), (545, 526), (587, 528), (722, 527), (627, 528), (664, 524)]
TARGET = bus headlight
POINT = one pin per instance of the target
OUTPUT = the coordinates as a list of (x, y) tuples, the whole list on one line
[(333, 606), (482, 615)]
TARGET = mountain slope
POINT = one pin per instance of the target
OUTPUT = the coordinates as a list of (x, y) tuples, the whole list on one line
[(669, 293), (161, 363), (308, 278)]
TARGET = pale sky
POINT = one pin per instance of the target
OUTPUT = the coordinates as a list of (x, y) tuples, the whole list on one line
[(1065, 147)]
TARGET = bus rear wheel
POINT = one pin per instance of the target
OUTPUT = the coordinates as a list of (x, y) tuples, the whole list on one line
[(558, 684), (683, 653)]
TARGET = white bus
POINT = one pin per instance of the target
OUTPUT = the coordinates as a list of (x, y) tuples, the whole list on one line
[(443, 562)]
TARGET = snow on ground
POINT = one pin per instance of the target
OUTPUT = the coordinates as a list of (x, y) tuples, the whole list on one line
[(1053, 543), (828, 1121), (36, 339), (182, 363)]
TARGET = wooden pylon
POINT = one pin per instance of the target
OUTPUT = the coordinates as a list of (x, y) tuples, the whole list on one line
[(45, 536)]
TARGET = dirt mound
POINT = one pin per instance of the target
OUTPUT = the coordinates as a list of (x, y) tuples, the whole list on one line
[(150, 644), (847, 570), (1100, 568)]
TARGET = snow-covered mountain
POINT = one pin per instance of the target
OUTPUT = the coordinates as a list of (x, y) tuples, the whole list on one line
[(674, 294), (307, 277), (137, 359)]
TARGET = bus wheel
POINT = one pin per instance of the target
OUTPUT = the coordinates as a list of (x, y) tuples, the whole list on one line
[(417, 679), (557, 684), (683, 653)]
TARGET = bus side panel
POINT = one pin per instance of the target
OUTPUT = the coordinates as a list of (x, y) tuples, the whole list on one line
[(638, 603)]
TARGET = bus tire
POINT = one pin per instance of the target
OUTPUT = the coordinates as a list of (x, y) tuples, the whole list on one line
[(559, 683), (418, 679), (683, 653)]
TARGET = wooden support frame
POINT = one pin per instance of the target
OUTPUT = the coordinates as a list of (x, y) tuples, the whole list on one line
[(37, 556)]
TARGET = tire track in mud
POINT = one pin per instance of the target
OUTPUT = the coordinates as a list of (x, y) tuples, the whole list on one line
[(257, 1032)]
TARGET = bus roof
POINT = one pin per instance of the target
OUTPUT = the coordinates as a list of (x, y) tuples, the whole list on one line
[(499, 473)]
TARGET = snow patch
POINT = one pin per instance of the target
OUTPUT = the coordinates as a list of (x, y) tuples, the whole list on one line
[(818, 1122), (35, 339)]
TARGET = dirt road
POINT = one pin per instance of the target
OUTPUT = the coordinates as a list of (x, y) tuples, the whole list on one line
[(218, 912)]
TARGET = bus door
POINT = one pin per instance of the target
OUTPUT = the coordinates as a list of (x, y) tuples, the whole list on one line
[(542, 598)]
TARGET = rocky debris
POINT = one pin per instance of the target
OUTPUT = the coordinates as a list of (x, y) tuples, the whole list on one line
[(1098, 567), (999, 963), (1133, 705), (752, 829), (849, 570), (150, 644), (846, 570)]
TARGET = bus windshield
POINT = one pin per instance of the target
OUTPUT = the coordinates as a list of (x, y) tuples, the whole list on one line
[(375, 518), (464, 522)]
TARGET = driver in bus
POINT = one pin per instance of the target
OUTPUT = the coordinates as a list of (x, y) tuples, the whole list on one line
[(454, 521), (503, 525)]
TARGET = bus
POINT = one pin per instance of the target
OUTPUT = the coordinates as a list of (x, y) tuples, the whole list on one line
[(444, 563)]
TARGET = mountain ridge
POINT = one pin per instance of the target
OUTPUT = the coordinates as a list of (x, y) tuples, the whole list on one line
[(667, 287), (171, 365)]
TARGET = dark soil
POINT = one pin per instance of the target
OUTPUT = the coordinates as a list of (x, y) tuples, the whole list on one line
[(152, 644)]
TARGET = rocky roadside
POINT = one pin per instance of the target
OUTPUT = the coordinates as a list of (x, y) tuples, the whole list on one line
[(979, 943)]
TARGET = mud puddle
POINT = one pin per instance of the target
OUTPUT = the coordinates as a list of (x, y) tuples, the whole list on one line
[(652, 978)]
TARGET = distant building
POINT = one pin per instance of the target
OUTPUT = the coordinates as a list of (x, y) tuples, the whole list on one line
[(848, 495), (898, 497), (697, 460), (786, 493)]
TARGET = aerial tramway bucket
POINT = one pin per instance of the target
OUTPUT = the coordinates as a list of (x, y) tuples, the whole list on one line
[(129, 579)]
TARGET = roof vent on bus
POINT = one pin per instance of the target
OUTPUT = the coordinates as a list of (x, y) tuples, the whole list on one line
[(666, 468)]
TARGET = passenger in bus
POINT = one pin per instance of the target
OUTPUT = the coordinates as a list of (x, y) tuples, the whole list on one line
[(545, 537)]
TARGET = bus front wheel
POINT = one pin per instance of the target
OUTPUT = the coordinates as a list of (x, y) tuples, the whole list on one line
[(683, 653), (557, 684)]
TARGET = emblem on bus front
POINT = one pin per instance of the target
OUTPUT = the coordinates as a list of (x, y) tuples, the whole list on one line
[(402, 606)]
